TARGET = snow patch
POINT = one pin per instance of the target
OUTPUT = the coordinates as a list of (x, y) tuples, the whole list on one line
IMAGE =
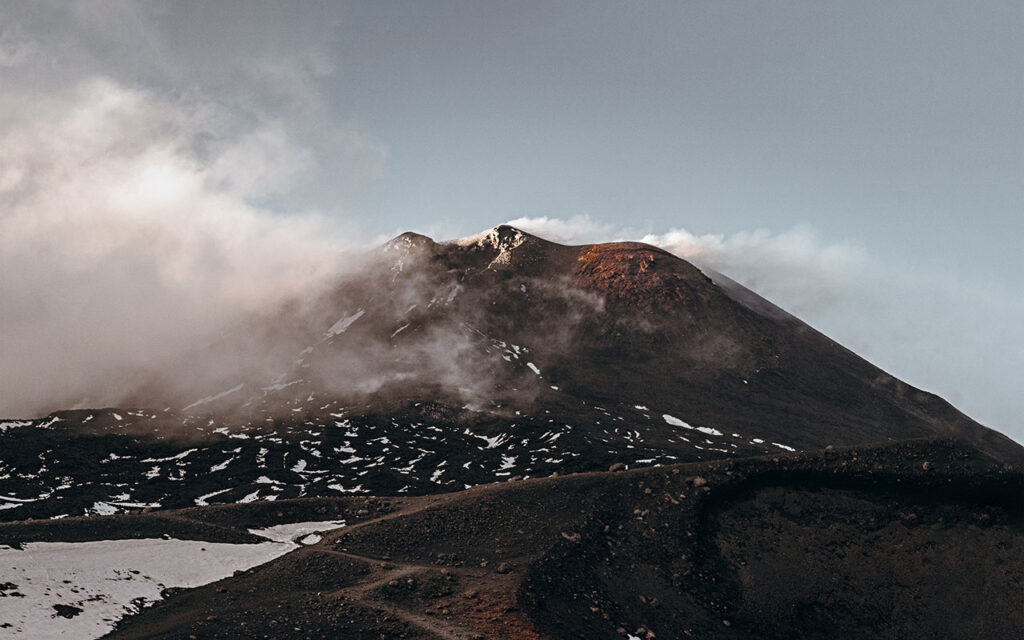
[(676, 422), (451, 294), (13, 424), (103, 509), (281, 385), (344, 323), (201, 500), (212, 398), (294, 530), (400, 330), (109, 579)]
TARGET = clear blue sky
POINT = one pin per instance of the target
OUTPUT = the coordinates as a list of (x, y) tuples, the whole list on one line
[(892, 124)]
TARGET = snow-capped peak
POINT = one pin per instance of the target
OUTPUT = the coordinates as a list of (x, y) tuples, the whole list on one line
[(503, 237)]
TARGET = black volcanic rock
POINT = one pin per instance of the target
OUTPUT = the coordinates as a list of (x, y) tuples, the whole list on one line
[(436, 366), (851, 543)]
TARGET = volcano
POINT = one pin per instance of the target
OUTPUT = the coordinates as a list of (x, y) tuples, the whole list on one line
[(432, 368)]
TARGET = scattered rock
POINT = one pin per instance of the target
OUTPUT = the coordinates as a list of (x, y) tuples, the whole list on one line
[(66, 611)]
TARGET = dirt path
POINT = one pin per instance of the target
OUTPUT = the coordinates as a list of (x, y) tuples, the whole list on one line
[(363, 594)]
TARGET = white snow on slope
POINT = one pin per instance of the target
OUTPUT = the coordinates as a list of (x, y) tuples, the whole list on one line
[(451, 294), (400, 329), (344, 323), (214, 397), (201, 500), (106, 578), (109, 579), (13, 499), (676, 422), (291, 532), (491, 442), (281, 385)]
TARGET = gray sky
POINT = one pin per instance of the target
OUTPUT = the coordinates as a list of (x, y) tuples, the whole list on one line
[(860, 163)]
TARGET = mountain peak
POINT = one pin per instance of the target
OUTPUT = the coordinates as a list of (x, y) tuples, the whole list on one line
[(408, 240), (502, 237), (502, 241)]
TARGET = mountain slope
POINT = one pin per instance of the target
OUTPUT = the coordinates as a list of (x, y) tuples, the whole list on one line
[(624, 324), (435, 366)]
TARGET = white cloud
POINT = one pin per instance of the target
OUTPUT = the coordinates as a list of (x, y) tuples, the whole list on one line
[(121, 246), (262, 162), (136, 164), (580, 229)]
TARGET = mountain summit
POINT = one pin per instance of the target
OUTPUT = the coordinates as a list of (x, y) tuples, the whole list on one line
[(434, 366), (630, 324)]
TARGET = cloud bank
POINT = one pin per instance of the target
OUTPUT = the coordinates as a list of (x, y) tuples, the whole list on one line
[(141, 190), (120, 245), (962, 339)]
